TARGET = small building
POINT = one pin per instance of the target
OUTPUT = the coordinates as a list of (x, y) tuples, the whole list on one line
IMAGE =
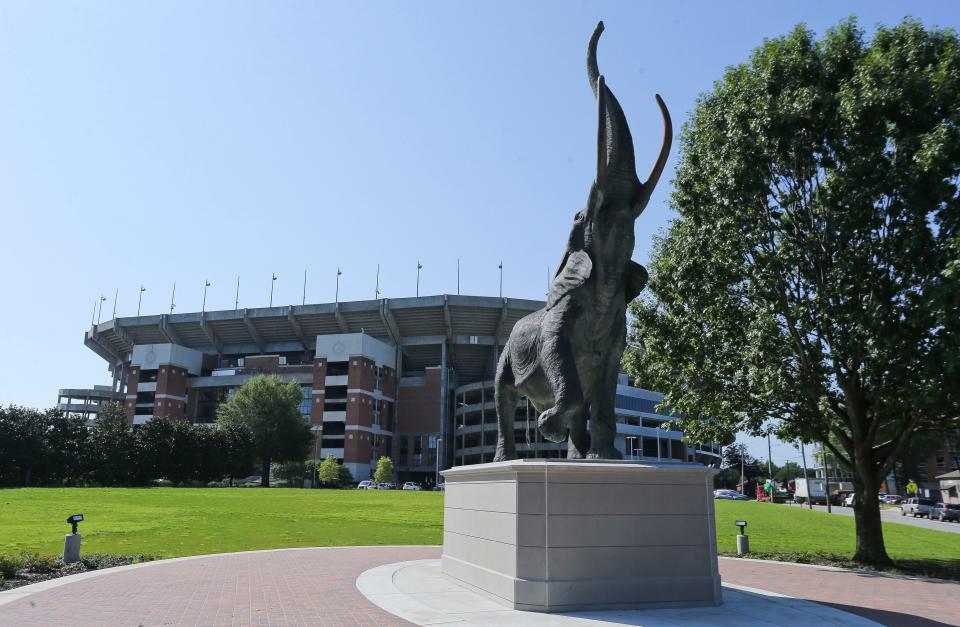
[(950, 487)]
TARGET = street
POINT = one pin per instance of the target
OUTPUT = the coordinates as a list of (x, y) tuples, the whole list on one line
[(893, 516)]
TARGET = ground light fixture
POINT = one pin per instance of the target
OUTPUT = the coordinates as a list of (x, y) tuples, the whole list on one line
[(71, 544), (743, 543), (74, 520)]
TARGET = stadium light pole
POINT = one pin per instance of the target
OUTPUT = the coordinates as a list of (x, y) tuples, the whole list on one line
[(100, 310), (172, 294), (336, 293), (116, 293), (206, 284), (93, 314), (501, 277), (140, 298), (236, 302), (304, 287), (458, 276), (376, 289), (272, 281), (419, 267)]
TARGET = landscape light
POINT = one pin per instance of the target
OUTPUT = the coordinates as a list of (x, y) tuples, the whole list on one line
[(73, 520), (741, 524)]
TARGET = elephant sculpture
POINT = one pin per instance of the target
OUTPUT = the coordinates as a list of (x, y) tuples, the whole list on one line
[(565, 358)]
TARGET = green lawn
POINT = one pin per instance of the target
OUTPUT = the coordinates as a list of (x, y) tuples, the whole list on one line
[(170, 522), (792, 529)]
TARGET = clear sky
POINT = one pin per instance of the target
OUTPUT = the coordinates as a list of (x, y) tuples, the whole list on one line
[(153, 143)]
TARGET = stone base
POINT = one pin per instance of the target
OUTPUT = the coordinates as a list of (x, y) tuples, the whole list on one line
[(575, 535)]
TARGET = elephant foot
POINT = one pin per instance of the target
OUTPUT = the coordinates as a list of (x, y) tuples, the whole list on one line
[(501, 454), (551, 426), (607, 452)]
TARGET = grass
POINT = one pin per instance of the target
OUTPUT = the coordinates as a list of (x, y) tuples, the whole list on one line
[(795, 534), (172, 522)]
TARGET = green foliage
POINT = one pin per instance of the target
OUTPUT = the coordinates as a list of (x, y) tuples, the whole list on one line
[(111, 447), (269, 409), (21, 444), (805, 280), (330, 471), (384, 471), (346, 477)]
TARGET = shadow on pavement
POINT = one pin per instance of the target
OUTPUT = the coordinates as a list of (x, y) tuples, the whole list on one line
[(886, 617)]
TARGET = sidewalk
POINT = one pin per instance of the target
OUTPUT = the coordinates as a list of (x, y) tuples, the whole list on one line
[(317, 587)]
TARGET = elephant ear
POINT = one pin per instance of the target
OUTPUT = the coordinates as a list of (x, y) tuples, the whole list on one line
[(576, 269), (634, 280)]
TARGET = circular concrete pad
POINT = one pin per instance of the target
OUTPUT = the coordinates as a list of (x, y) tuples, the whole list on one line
[(417, 591)]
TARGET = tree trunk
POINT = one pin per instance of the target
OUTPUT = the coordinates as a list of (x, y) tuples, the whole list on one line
[(265, 474), (866, 513)]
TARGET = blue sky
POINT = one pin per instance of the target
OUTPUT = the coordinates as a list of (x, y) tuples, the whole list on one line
[(147, 143)]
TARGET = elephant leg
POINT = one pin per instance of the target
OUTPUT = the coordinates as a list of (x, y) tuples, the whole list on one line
[(578, 442), (603, 418), (506, 395), (556, 360)]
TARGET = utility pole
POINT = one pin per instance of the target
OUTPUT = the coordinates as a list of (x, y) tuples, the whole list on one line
[(806, 476), (742, 450), (172, 295), (826, 473), (769, 459), (272, 281), (140, 298)]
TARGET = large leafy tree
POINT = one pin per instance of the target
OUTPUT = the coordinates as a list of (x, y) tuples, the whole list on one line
[(22, 433), (270, 410), (809, 282)]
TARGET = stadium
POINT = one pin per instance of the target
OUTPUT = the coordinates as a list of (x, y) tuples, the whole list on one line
[(409, 378)]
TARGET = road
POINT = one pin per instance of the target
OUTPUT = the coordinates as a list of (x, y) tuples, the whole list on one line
[(893, 516)]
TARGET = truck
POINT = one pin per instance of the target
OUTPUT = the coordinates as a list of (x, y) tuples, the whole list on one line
[(818, 490)]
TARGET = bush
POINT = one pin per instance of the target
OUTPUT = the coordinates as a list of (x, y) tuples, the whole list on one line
[(8, 566), (36, 563)]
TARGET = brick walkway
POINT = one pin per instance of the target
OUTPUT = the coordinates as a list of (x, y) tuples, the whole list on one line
[(317, 587)]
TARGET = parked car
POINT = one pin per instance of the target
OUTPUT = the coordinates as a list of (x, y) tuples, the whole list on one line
[(946, 511), (385, 486), (730, 495), (917, 506), (366, 485), (410, 485), (440, 487), (891, 499)]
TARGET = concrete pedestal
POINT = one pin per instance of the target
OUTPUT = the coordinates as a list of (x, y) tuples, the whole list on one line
[(71, 548), (559, 535)]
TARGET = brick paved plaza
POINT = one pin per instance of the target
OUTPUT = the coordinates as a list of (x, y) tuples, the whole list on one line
[(317, 587)]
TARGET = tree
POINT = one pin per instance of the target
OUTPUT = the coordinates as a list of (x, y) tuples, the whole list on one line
[(346, 477), (384, 471), (154, 452), (330, 471), (21, 444), (238, 445), (111, 447), (805, 282), (270, 410), (66, 449)]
